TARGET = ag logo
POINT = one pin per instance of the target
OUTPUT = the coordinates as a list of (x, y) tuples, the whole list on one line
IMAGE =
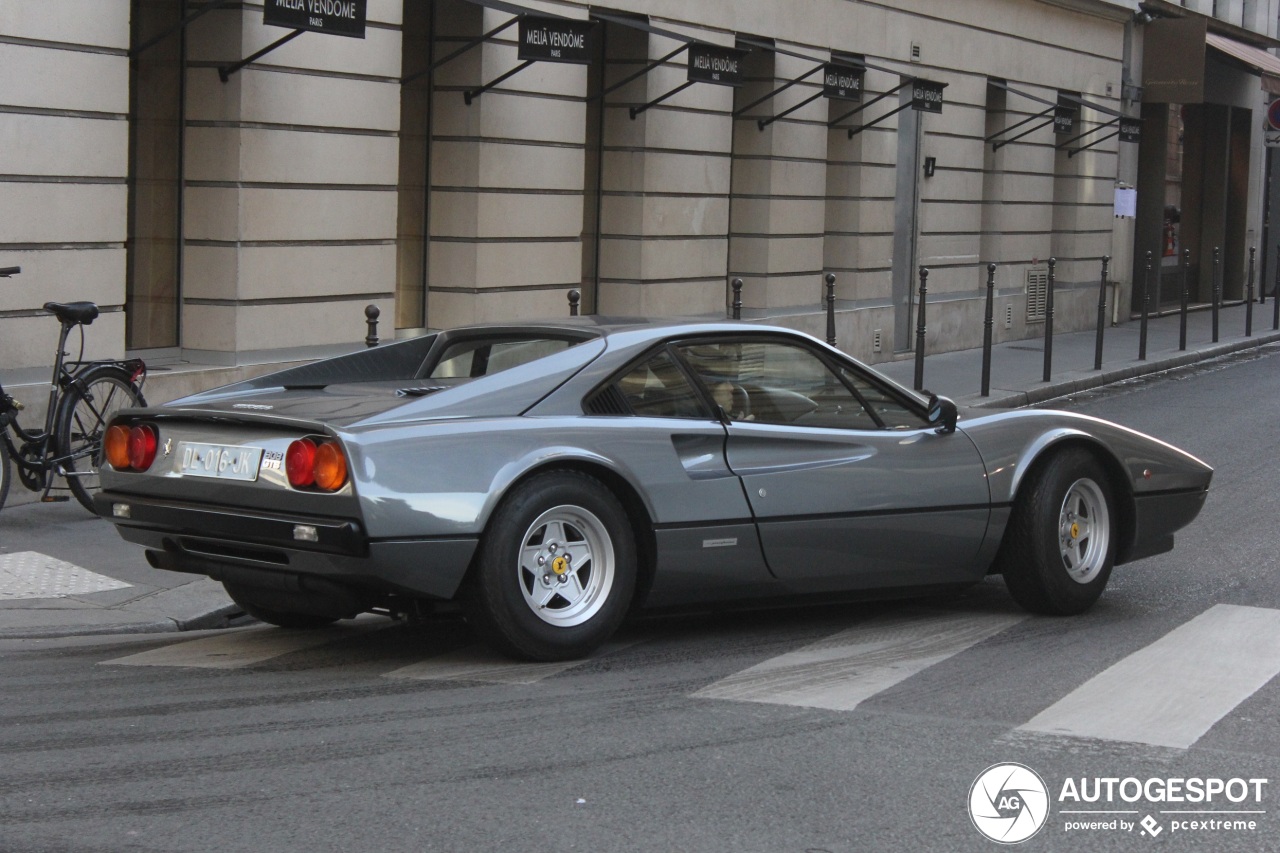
[(1008, 803)]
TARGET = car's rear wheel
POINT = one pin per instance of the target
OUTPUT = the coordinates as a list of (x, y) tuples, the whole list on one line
[(251, 602), (556, 569), (1061, 542)]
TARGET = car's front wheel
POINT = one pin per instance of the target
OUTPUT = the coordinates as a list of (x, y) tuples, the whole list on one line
[(1061, 541), (556, 569)]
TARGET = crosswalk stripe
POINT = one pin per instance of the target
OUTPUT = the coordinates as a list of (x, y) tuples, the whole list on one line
[(230, 650), (1174, 690), (845, 669), (478, 663)]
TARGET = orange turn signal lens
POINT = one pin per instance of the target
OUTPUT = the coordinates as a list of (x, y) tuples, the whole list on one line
[(115, 446), (331, 467)]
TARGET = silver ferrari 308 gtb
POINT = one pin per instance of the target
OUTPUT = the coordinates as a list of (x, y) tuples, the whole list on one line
[(552, 477)]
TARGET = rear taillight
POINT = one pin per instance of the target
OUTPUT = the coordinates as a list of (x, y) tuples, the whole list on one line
[(115, 446), (142, 447), (322, 465), (300, 463)]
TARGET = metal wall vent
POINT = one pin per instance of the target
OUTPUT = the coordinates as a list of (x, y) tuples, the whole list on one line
[(877, 340), (1037, 293)]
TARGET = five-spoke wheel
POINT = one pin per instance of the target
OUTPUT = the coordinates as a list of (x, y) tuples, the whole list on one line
[(566, 567), (1084, 531)]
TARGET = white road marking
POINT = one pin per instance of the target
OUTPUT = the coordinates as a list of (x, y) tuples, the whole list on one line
[(845, 669), (30, 574), (478, 663), (230, 650), (1174, 690)]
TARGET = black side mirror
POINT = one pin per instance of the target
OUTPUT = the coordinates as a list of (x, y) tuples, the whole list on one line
[(942, 413)]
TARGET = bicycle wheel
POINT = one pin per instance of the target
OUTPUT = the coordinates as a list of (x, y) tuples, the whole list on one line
[(4, 472), (83, 415)]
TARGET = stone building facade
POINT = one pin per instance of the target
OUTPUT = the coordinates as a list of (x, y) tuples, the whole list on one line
[(224, 215)]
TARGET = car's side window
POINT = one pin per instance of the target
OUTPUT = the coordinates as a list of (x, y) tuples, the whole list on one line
[(888, 410), (777, 383), (658, 388)]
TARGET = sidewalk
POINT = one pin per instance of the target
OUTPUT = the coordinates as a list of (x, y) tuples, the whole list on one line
[(1017, 367), (64, 572)]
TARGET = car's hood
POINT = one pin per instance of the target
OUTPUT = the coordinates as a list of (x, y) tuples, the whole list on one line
[(348, 404)]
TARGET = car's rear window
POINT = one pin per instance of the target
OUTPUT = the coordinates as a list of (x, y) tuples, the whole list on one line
[(474, 357)]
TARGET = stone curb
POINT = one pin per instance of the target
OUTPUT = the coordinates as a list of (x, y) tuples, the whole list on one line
[(1078, 381)]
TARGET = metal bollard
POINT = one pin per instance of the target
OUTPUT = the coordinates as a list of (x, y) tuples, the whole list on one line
[(1248, 299), (737, 299), (1146, 311), (988, 323), (1048, 322), (920, 328), (831, 308), (575, 299), (1217, 290), (1102, 313), (371, 314), (1275, 302), (1262, 285), (1186, 297)]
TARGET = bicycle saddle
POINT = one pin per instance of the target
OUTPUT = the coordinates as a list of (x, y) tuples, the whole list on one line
[(73, 312)]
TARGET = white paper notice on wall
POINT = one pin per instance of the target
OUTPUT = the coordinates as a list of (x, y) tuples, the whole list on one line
[(1126, 202)]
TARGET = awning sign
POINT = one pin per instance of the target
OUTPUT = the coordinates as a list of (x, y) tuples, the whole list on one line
[(1064, 117), (334, 17), (926, 95), (710, 63), (556, 40), (842, 82), (1130, 130)]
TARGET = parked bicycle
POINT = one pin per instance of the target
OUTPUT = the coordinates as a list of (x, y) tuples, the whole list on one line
[(82, 397)]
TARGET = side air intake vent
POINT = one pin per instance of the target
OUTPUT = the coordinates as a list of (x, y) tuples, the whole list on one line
[(1037, 293), (607, 401)]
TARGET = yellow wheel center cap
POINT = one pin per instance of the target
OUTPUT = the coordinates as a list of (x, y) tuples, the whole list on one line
[(559, 565), (1075, 530)]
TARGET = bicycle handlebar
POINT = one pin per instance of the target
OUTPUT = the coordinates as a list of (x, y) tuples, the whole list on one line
[(5, 272)]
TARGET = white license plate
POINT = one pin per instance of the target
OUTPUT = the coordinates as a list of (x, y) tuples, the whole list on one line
[(218, 460)]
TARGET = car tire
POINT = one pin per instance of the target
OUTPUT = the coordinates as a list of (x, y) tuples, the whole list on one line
[(555, 572), (1060, 545), (245, 598)]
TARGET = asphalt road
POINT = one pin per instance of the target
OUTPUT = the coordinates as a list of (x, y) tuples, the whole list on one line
[(686, 735)]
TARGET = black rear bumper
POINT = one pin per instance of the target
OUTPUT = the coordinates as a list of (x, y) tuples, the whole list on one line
[(206, 539)]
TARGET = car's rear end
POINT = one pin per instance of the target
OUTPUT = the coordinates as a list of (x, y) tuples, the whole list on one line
[(264, 504), (311, 488)]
